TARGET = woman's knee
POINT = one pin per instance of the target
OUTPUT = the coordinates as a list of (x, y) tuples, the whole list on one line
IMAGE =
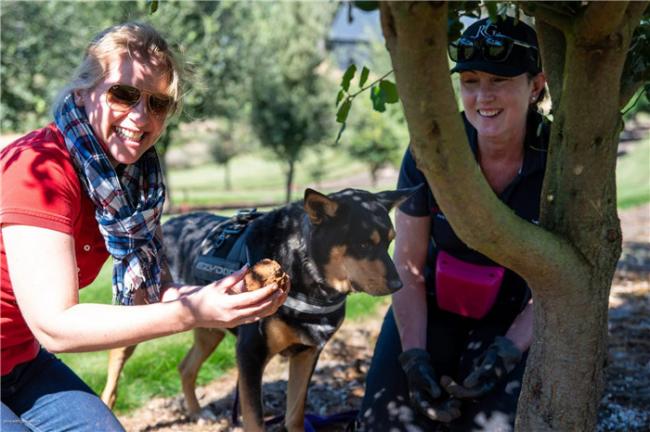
[(71, 410), (10, 421)]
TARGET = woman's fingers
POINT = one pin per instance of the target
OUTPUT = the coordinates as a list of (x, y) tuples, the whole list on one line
[(255, 311), (232, 279)]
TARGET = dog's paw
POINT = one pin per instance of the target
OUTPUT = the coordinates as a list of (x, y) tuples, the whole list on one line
[(266, 272), (205, 416)]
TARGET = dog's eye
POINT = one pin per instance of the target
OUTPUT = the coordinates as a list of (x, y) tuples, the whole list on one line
[(365, 246)]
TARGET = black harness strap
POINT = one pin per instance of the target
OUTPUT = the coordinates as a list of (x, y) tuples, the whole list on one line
[(223, 251)]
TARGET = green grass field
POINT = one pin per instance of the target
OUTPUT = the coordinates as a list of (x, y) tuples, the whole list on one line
[(152, 370), (633, 176), (257, 178)]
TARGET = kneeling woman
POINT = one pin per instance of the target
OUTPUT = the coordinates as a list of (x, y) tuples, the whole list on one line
[(452, 349), (85, 187)]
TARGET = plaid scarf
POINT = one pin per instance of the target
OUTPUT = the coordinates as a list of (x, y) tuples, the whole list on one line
[(128, 205)]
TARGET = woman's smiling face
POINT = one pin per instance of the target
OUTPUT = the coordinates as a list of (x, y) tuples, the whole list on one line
[(125, 134), (497, 106)]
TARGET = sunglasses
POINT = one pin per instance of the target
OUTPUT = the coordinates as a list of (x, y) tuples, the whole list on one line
[(122, 97), (489, 44)]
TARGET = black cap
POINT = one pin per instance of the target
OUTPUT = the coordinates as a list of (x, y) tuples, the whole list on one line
[(520, 60)]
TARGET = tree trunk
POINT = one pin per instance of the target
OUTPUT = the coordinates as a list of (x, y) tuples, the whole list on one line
[(564, 378), (226, 175), (373, 176), (570, 260), (289, 184)]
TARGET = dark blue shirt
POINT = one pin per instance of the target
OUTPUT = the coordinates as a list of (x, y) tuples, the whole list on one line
[(522, 195)]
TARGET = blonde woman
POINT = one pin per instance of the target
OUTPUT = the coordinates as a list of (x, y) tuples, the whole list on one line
[(82, 188)]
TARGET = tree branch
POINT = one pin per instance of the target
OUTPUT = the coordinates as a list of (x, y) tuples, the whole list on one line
[(600, 19), (416, 33), (548, 13), (634, 12), (552, 43), (630, 83)]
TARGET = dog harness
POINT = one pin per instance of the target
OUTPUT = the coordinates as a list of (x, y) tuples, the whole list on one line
[(318, 317), (224, 250)]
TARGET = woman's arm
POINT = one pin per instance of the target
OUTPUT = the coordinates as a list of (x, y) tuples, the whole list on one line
[(42, 267), (410, 303)]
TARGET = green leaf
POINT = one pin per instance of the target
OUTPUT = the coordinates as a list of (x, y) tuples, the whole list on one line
[(340, 97), (344, 110), (378, 99), (347, 77), (338, 136), (389, 89), (367, 5), (153, 6), (364, 76), (491, 7)]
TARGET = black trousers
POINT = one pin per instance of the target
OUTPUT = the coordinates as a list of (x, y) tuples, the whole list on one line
[(453, 342)]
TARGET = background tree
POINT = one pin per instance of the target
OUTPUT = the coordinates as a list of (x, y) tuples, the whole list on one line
[(570, 258), (219, 87), (228, 139), (376, 139), (40, 48), (291, 109)]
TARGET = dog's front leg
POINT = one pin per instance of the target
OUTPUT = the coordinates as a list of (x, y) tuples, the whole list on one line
[(117, 357), (252, 357), (301, 368)]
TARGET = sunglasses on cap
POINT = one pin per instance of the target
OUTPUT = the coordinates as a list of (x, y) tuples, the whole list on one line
[(122, 97), (488, 43)]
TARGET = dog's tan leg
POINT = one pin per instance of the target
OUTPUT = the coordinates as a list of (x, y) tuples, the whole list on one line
[(205, 342), (117, 357), (301, 367)]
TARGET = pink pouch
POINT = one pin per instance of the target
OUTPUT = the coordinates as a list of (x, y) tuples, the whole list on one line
[(466, 289)]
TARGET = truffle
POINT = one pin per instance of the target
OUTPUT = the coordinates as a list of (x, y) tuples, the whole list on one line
[(266, 272)]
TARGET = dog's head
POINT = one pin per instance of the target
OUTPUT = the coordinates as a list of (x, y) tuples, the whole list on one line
[(351, 231)]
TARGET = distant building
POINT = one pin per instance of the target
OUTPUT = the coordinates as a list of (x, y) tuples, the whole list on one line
[(352, 34)]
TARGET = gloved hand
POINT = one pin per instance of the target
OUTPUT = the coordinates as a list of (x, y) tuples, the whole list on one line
[(423, 388), (492, 366)]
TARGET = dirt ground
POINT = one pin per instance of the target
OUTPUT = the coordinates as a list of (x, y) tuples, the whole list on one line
[(337, 384)]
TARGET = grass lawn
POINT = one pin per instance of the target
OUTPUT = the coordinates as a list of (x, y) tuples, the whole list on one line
[(633, 176), (152, 370), (256, 178)]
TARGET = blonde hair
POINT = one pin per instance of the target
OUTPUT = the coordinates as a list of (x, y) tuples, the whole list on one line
[(137, 40)]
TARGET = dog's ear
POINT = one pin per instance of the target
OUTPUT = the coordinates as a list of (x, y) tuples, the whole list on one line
[(390, 199), (319, 206)]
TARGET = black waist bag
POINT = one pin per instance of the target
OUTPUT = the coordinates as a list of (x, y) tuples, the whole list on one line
[(223, 251)]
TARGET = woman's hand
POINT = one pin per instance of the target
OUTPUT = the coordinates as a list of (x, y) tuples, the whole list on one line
[(226, 303)]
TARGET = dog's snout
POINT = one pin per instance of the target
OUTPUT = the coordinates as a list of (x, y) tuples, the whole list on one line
[(394, 285)]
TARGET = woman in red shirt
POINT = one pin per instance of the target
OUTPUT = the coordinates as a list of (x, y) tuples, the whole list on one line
[(85, 187)]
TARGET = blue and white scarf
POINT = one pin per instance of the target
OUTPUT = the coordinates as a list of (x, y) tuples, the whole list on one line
[(128, 207)]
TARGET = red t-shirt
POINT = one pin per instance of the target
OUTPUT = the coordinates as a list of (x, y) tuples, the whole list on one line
[(39, 187)]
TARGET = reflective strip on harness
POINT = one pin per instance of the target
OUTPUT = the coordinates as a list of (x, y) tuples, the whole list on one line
[(310, 308)]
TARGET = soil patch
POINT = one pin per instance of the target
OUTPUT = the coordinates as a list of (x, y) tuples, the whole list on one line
[(337, 384)]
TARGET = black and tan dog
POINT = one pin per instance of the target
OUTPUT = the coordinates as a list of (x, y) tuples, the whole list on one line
[(330, 246)]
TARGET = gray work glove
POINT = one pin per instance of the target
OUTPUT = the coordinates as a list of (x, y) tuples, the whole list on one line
[(423, 388), (498, 360)]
